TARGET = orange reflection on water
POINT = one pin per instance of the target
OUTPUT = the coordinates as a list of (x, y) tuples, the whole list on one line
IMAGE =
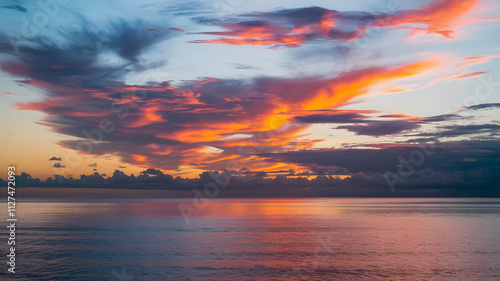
[(241, 239)]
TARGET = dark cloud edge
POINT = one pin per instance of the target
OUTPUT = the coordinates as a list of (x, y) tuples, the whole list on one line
[(359, 185)]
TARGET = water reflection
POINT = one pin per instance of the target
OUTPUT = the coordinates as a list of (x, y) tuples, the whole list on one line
[(268, 239)]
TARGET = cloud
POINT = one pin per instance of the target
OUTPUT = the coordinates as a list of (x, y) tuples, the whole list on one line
[(293, 27), (363, 123), (201, 123), (470, 159), (162, 126), (58, 165), (334, 116), (484, 106), (261, 122), (440, 118), (440, 16), (440, 157), (15, 7), (477, 60), (54, 158), (391, 127), (177, 29), (321, 181), (76, 60), (8, 94), (463, 130), (381, 128), (470, 75), (150, 29), (242, 66), (290, 27)]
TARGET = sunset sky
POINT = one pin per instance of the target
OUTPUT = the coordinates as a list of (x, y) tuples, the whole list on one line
[(291, 88)]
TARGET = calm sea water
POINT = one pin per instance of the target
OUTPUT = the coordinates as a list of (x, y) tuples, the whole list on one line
[(259, 239)]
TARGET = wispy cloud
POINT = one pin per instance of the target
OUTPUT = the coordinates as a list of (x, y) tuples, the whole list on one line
[(15, 7), (470, 75), (484, 106), (8, 94)]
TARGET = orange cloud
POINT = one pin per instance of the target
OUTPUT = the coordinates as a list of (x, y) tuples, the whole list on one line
[(404, 116), (171, 127), (470, 75), (293, 27), (476, 60), (139, 158), (439, 16)]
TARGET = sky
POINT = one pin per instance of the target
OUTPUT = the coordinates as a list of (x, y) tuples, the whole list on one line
[(298, 93)]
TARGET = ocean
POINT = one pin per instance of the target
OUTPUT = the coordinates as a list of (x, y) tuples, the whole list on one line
[(257, 239)]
